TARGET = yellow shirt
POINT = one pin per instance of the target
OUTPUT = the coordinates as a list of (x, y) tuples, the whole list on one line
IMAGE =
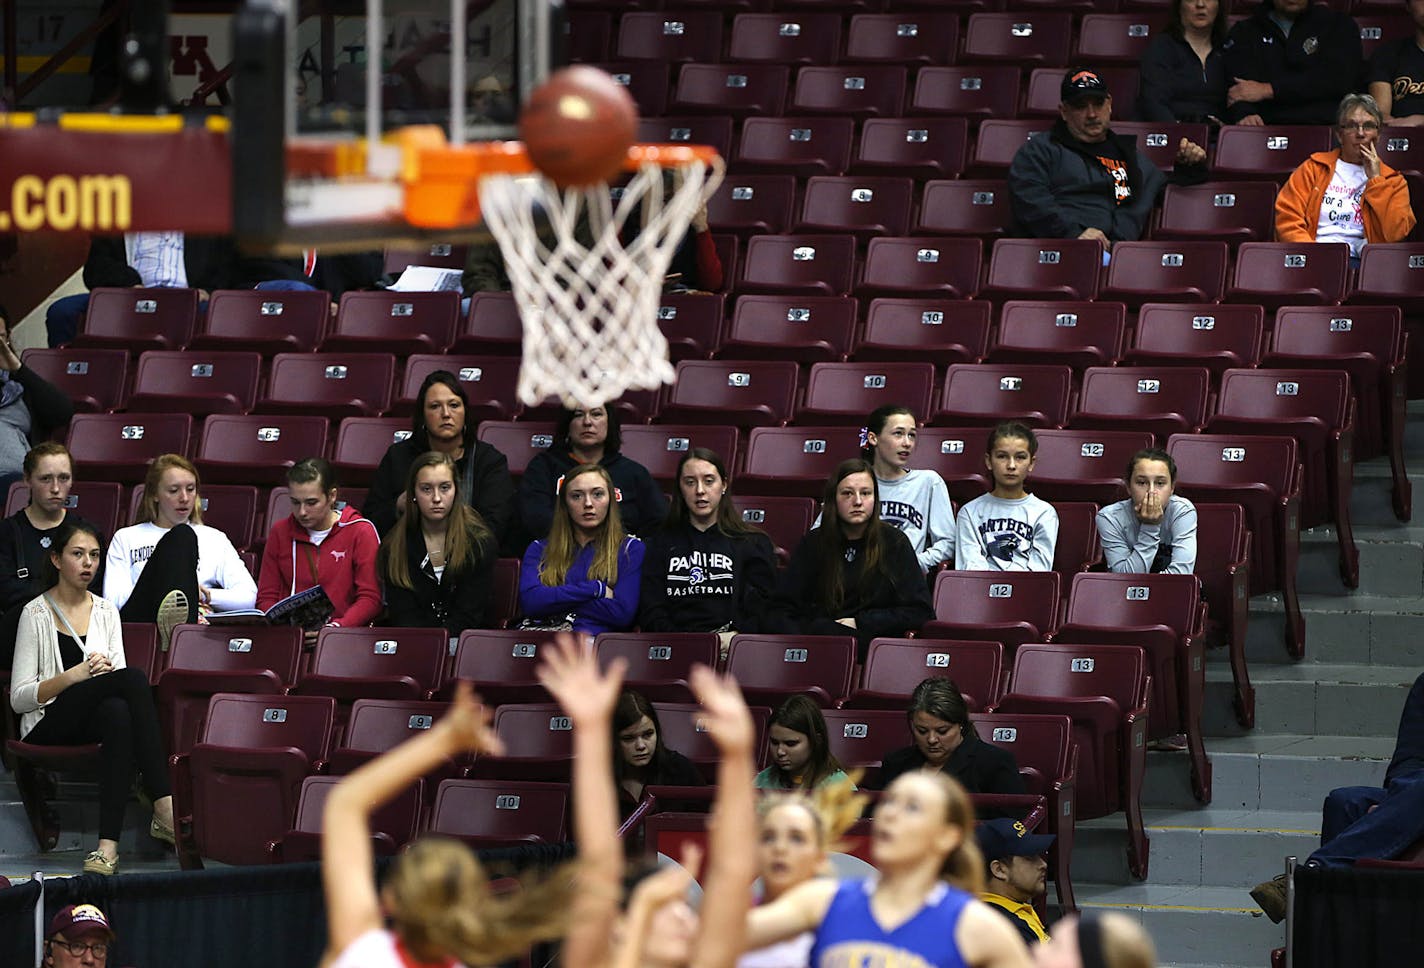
[(1024, 912)]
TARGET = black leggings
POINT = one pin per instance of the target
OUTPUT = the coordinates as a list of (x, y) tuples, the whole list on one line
[(115, 709), (172, 566)]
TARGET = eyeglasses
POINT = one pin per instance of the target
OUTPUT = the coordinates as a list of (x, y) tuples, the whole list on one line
[(1365, 127), (77, 948)]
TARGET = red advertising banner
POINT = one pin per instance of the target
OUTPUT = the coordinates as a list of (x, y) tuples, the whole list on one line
[(111, 174)]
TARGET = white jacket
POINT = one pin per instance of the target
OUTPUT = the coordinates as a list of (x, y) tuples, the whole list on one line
[(37, 653), (220, 567)]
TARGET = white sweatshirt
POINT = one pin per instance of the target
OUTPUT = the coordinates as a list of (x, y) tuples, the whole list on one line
[(918, 504), (220, 570), (998, 535), (1131, 546)]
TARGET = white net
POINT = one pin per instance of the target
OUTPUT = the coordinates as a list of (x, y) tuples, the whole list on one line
[(587, 283)]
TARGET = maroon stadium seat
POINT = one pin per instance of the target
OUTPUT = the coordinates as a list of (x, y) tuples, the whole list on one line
[(922, 266), (501, 664), (268, 322), (987, 393), (1176, 271), (957, 455), (1392, 274), (660, 447), (1401, 148), (1234, 212), (999, 140), (646, 81), (894, 667), (255, 449), (976, 92), (918, 147), (688, 35), (799, 145), (1106, 38), (1160, 141), (361, 444), (490, 813), (1278, 274), (1044, 269), (1224, 567), (903, 37), (377, 725), (538, 743), (119, 446), (739, 90), (437, 255), (139, 319), (784, 519), (682, 731), (392, 825), (995, 606), (1266, 151), (1084, 465), (489, 381), (368, 663), (386, 321), (233, 509), (1077, 549), (749, 204), (1160, 399), (492, 325), (199, 382), (785, 38), (659, 663), (862, 205), (941, 331), (799, 263), (1217, 337), (504, 600), (807, 329), (769, 668), (840, 392), (691, 322), (518, 442), (97, 502), (856, 90), (860, 738), (964, 207), (1018, 38), (331, 385), (688, 129), (743, 393), (1076, 334), (95, 380), (796, 461)]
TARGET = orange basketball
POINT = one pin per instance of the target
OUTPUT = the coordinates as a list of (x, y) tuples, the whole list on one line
[(577, 126)]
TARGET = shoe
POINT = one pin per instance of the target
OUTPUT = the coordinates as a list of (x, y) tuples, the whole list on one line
[(1270, 897), (1169, 744), (172, 610), (97, 863), (158, 831)]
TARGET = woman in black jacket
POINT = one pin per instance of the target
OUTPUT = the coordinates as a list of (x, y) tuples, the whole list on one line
[(1183, 75), (853, 575), (437, 563)]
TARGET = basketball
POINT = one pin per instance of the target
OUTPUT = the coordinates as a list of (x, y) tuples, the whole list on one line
[(577, 126)]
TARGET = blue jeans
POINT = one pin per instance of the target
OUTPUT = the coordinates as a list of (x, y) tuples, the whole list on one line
[(1350, 831), (63, 317)]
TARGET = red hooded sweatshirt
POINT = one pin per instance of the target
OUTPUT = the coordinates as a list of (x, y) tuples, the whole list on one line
[(344, 564)]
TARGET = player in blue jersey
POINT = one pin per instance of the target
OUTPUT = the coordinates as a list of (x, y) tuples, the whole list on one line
[(920, 912)]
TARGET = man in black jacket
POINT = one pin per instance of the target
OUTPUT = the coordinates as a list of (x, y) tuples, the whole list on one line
[(1291, 62)]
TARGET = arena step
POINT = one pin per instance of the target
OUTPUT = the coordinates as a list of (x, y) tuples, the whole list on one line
[(1311, 698), (1217, 926), (1362, 628)]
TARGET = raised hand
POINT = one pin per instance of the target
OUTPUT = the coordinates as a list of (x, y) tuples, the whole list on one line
[(571, 674), (1150, 510), (467, 724), (1371, 160), (724, 715)]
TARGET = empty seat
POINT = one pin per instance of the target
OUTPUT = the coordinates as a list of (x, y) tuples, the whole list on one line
[(119, 446), (492, 325), (672, 36), (808, 329), (1401, 148), (1011, 607), (331, 385), (1224, 567), (195, 381), (538, 743), (838, 392), (857, 90), (97, 502), (1392, 274), (139, 319), (1276, 274), (964, 207), (1217, 337), (1222, 211), (860, 738), (378, 725), (1039, 39), (1085, 465), (437, 255), (682, 730), (752, 204), (518, 442), (1378, 26), (1078, 547), (289, 321), (95, 380), (785, 38), (691, 129), (1266, 151), (504, 597), (361, 445), (691, 322), (1043, 92), (1077, 334), (957, 455), (999, 140), (1044, 269), (799, 263), (1316, 407), (795, 461), (646, 81), (1161, 140), (392, 825), (1174, 271), (254, 449), (903, 37), (988, 393), (491, 813), (1104, 689), (973, 91), (940, 330), (661, 447), (863, 205), (802, 146), (745, 393), (922, 265), (1115, 37), (489, 382), (394, 322), (784, 519), (735, 89), (1264, 476), (659, 663), (771, 667), (501, 663), (1162, 400), (233, 509), (918, 147), (894, 667), (367, 663)]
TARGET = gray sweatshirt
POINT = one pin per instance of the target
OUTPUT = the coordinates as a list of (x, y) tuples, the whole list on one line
[(1169, 547), (998, 535), (918, 505)]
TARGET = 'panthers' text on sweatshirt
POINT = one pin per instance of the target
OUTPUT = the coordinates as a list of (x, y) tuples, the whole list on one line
[(993, 534), (1169, 546)]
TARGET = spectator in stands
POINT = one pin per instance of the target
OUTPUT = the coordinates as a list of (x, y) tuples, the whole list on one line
[(1153, 530), (436, 897), (1016, 872), (1007, 529), (853, 575), (437, 563), (31, 408), (589, 435), (78, 935), (1108, 940), (914, 501), (801, 757), (439, 423), (705, 569), (585, 575), (1183, 76), (640, 757), (945, 742), (1347, 195), (321, 544), (1396, 73), (1079, 180), (1290, 62), (70, 686), (1369, 822), (170, 567)]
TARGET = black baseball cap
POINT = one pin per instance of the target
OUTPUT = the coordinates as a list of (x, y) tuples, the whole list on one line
[(1006, 837), (1079, 84)]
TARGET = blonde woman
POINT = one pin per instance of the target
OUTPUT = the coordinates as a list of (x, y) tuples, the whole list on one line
[(585, 576)]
